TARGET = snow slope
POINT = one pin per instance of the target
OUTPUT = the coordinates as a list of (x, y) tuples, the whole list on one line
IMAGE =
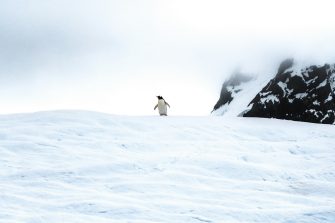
[(75, 166), (242, 95)]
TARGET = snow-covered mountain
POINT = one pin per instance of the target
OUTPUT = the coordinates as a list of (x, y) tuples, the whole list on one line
[(298, 94), (74, 166), (295, 93)]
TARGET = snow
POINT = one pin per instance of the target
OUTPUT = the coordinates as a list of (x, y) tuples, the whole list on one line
[(284, 88), (298, 72), (331, 69), (326, 116), (268, 98), (329, 98), (311, 80), (242, 98), (316, 102), (322, 84), (300, 95), (221, 111), (332, 81), (76, 166)]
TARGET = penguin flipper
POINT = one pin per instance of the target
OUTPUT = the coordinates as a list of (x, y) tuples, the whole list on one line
[(156, 107), (167, 104)]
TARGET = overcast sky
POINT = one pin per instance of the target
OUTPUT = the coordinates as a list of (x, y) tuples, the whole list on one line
[(115, 56)]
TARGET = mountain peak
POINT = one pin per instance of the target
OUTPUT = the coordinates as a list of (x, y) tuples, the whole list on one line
[(286, 64)]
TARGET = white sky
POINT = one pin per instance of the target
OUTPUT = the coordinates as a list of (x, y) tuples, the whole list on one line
[(116, 56)]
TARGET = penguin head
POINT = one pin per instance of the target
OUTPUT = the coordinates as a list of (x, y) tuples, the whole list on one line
[(159, 97)]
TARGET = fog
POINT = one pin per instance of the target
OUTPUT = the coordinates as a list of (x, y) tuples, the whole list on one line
[(116, 56)]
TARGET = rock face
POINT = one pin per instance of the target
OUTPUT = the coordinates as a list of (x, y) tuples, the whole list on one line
[(230, 88), (301, 95)]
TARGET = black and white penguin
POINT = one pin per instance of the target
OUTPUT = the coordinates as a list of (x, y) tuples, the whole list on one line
[(162, 106)]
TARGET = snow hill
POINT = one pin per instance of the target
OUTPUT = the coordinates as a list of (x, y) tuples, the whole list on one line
[(75, 166)]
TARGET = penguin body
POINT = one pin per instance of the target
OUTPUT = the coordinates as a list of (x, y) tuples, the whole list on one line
[(162, 106)]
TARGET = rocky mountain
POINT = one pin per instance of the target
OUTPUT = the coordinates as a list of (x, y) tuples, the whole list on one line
[(297, 94)]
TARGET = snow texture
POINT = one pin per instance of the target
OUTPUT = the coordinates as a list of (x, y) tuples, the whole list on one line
[(75, 166)]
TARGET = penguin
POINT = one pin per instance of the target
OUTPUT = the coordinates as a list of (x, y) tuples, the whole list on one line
[(162, 106)]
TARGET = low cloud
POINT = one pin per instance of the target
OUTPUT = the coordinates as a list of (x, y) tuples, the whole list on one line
[(116, 56)]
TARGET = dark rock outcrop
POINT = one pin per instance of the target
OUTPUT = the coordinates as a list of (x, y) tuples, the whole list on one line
[(305, 95), (286, 64), (230, 88)]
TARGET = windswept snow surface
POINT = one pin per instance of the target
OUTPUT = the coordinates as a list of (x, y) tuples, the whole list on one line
[(73, 166)]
